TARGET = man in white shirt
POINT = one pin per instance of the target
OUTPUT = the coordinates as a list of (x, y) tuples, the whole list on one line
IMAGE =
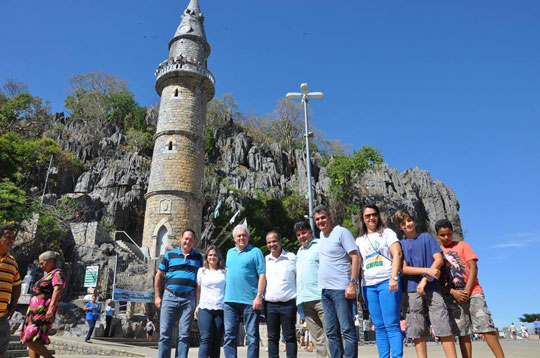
[(280, 297)]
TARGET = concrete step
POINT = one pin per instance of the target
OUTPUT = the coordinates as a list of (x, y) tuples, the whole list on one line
[(15, 345), (139, 342), (18, 353)]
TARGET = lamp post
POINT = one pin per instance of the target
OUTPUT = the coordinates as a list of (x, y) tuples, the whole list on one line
[(305, 95)]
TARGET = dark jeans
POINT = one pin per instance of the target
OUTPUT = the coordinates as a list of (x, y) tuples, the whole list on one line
[(281, 314), (211, 328), (108, 321), (91, 325), (339, 322), (234, 313)]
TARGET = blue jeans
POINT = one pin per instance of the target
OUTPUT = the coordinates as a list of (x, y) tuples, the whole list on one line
[(233, 314), (175, 309), (384, 308), (91, 326), (339, 322), (281, 314), (211, 328)]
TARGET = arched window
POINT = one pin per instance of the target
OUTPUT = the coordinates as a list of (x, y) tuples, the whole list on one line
[(162, 241), (176, 90), (170, 145)]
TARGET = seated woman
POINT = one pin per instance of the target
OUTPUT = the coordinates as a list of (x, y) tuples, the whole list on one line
[(43, 306)]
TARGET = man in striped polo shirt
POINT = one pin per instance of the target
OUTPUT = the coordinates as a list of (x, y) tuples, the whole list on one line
[(175, 284), (10, 284)]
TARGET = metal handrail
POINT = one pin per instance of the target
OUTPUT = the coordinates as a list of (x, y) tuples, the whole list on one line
[(133, 242)]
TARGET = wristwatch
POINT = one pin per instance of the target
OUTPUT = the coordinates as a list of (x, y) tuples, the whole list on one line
[(261, 295), (354, 281), (395, 278)]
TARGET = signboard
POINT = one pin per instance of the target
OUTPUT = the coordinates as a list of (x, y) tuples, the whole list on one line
[(91, 276), (133, 296)]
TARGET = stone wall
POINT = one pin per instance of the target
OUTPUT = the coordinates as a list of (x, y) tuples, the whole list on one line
[(71, 348), (90, 233)]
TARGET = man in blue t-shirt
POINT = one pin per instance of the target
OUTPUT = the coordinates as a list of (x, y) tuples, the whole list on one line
[(244, 293), (422, 262), (175, 284), (339, 265)]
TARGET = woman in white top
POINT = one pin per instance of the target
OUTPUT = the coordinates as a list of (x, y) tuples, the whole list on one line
[(381, 284), (210, 295)]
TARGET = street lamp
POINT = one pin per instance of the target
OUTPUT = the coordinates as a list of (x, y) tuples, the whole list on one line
[(305, 99)]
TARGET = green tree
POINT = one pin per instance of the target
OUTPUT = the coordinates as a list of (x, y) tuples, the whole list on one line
[(25, 161), (343, 171), (529, 317), (14, 206), (344, 168), (219, 112), (140, 141), (21, 112)]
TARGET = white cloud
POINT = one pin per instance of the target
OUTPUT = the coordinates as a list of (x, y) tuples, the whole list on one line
[(518, 240)]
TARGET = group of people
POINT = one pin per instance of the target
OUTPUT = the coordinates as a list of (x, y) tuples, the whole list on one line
[(323, 278), (438, 282), (43, 304)]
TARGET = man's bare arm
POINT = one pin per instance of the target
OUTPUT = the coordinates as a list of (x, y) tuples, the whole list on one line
[(159, 286)]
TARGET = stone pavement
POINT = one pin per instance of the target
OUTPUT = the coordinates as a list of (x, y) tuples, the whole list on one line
[(512, 349)]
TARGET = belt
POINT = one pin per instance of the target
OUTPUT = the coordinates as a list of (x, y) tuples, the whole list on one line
[(178, 294)]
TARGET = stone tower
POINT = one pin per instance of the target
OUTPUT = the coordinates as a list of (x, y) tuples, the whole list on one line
[(175, 189)]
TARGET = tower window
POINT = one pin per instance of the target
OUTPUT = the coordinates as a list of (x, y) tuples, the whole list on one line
[(176, 92), (170, 145)]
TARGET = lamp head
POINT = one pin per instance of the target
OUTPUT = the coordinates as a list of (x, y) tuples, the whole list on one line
[(304, 87), (316, 95), (293, 95)]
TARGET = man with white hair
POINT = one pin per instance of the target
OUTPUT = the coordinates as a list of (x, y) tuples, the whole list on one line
[(244, 293)]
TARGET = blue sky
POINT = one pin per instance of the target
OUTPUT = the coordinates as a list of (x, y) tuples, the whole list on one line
[(449, 86)]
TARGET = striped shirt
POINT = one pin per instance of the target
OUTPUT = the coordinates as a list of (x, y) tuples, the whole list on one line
[(9, 277), (181, 270)]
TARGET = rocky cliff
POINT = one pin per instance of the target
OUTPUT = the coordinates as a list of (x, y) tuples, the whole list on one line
[(236, 168)]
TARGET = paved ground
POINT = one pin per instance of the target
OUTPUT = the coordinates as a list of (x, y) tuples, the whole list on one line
[(512, 349)]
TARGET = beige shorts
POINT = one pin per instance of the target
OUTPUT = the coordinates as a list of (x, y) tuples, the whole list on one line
[(473, 314), (419, 307)]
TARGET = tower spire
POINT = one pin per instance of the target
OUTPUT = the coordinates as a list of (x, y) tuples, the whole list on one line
[(192, 26)]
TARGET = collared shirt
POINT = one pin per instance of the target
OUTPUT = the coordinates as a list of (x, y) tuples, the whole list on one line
[(181, 270), (243, 270), (307, 273), (109, 311), (280, 277), (9, 277)]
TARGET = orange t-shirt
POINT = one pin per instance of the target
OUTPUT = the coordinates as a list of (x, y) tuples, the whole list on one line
[(456, 266)]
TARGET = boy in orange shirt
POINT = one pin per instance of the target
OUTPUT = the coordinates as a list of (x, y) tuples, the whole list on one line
[(463, 294)]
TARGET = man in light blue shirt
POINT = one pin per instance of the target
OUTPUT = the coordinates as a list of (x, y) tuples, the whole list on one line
[(244, 293), (307, 283)]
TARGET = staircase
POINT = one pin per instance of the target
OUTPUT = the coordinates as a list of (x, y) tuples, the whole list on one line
[(131, 249), (16, 348), (139, 342)]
